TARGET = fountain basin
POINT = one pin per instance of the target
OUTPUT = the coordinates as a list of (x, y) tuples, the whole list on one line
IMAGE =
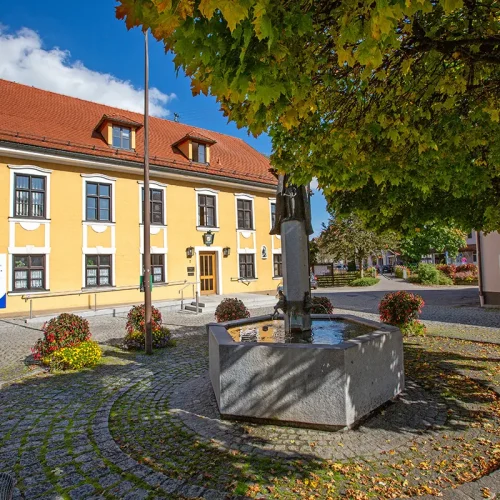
[(327, 386)]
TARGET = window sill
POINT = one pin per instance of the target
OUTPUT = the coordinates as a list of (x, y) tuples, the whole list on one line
[(207, 228), (27, 292), (98, 222), (98, 288), (248, 280), (245, 230), (18, 218), (277, 278), (141, 224)]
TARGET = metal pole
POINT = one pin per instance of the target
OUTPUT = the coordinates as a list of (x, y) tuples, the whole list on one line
[(147, 221), (31, 308), (95, 302), (197, 300)]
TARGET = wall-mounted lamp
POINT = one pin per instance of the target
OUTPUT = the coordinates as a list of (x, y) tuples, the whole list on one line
[(226, 251), (189, 252)]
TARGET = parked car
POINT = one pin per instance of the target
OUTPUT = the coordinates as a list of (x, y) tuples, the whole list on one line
[(312, 280), (386, 269)]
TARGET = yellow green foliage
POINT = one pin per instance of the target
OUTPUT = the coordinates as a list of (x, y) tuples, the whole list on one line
[(86, 354)]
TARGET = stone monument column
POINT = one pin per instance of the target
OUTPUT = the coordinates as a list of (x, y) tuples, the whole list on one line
[(293, 223)]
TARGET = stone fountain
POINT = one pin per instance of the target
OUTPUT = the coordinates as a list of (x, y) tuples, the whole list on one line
[(324, 371)]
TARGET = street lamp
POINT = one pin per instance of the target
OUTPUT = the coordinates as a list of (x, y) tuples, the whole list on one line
[(226, 251)]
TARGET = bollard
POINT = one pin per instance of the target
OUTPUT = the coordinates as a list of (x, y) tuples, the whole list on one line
[(31, 308), (95, 302), (197, 300)]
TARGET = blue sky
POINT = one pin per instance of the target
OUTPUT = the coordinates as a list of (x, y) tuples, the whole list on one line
[(81, 49)]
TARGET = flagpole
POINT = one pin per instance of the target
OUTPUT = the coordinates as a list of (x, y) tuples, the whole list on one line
[(147, 209)]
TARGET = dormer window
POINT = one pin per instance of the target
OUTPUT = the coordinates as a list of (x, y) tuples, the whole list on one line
[(121, 137), (195, 146), (199, 152), (118, 131)]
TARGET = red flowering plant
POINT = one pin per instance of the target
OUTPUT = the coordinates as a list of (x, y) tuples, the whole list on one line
[(401, 309), (136, 329), (467, 268), (67, 330), (321, 305), (231, 309), (448, 269), (136, 319)]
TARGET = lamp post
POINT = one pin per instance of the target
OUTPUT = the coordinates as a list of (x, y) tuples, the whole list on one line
[(147, 215)]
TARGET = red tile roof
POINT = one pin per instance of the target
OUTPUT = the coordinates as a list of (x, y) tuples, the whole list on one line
[(39, 118)]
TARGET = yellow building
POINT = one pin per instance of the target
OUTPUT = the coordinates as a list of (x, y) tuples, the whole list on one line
[(71, 206)]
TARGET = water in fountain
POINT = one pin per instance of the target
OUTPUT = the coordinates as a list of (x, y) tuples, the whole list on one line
[(329, 332)]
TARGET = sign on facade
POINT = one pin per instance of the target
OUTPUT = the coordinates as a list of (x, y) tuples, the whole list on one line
[(3, 280)]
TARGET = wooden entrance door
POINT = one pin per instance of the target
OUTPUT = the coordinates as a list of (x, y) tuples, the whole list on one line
[(208, 273)]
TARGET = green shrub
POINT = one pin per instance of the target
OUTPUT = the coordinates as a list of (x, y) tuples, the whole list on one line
[(400, 308), (371, 272), (162, 337), (85, 354), (444, 280), (364, 282), (67, 330), (399, 271), (414, 327), (231, 309), (428, 274), (413, 279), (321, 305)]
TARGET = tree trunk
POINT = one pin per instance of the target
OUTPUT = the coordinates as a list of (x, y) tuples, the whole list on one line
[(361, 270)]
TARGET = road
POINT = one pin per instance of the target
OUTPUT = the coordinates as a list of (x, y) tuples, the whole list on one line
[(447, 304)]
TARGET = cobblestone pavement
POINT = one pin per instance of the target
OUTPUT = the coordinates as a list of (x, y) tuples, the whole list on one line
[(148, 427)]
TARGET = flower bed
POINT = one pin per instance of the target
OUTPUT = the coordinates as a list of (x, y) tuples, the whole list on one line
[(136, 324)]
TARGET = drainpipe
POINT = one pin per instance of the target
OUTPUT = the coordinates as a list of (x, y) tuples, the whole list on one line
[(479, 268)]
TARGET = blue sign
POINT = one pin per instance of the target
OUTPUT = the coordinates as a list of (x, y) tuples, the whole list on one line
[(3, 281)]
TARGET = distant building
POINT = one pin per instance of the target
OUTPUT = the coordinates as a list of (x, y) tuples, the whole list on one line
[(488, 251)]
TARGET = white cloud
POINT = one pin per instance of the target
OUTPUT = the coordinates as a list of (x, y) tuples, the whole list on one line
[(314, 184), (23, 60)]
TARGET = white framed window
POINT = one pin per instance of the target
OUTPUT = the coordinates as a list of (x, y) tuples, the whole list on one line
[(157, 203), (99, 199), (247, 266), (207, 209), (30, 192), (245, 212), (121, 137)]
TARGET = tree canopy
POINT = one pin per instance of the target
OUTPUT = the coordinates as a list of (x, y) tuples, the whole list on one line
[(347, 238), (392, 105), (433, 237)]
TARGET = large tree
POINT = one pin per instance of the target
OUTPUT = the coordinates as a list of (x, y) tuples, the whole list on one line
[(347, 238), (391, 104), (432, 237)]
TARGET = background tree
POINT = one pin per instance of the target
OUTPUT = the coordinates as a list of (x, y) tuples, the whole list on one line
[(347, 239), (433, 237), (313, 251), (396, 100)]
